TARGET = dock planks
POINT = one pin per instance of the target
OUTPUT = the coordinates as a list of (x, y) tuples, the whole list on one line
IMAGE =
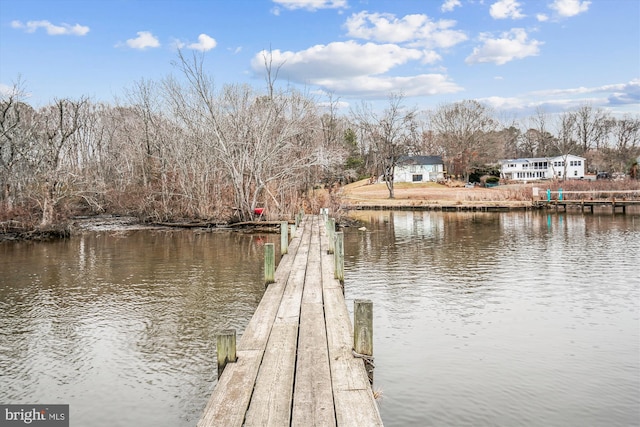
[(295, 363)]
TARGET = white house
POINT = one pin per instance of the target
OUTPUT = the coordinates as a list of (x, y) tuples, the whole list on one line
[(419, 169), (561, 167)]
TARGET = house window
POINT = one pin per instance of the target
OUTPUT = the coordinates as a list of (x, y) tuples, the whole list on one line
[(417, 178), (579, 162), (575, 173)]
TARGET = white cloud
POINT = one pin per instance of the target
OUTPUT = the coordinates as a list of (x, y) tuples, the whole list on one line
[(310, 5), (416, 30), (340, 105), (13, 90), (6, 90), (503, 9), (144, 40), (449, 5), (204, 44), (542, 17), (380, 87), (556, 100), (621, 93), (430, 57), (511, 45), (51, 29), (628, 93), (356, 69), (568, 8), (339, 58)]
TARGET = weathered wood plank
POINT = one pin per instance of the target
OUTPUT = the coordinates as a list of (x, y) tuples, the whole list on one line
[(353, 397), (271, 400), (230, 399), (273, 392), (300, 337), (313, 396), (257, 331)]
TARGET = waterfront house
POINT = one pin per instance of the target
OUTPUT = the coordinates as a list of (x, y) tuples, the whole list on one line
[(419, 169), (534, 168)]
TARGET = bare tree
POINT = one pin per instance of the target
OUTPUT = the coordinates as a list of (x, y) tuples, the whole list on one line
[(391, 135), (265, 144), (16, 132), (626, 143), (591, 127), (544, 139), (49, 154), (462, 128), (565, 143)]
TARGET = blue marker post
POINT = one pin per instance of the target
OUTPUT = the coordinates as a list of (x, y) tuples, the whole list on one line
[(560, 194), (548, 194)]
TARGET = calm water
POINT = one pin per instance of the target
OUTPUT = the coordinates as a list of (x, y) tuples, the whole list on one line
[(122, 326), (480, 319), (515, 319)]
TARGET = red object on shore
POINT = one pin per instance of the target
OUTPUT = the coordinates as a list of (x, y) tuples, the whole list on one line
[(258, 211)]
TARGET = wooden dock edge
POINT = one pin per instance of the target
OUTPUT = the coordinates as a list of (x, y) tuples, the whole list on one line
[(231, 403)]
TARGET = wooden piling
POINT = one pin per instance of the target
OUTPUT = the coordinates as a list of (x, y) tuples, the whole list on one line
[(295, 360), (331, 234), (269, 263), (284, 237), (226, 348), (363, 333), (339, 256)]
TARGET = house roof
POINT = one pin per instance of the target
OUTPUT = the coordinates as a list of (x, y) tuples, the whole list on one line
[(420, 160), (539, 159)]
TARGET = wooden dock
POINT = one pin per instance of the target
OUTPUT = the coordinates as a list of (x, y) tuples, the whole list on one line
[(295, 361), (588, 200), (589, 205)]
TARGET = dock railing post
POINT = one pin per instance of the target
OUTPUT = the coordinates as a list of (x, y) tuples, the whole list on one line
[(284, 237), (363, 334), (226, 348), (338, 256), (269, 263), (331, 231)]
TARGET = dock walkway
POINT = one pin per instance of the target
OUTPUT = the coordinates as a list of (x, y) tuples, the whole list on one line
[(295, 364)]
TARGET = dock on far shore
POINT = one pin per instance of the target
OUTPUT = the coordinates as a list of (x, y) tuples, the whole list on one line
[(295, 364)]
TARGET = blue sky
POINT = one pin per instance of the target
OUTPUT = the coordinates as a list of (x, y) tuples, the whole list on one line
[(515, 55)]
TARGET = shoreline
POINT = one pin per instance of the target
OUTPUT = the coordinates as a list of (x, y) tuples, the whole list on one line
[(356, 196)]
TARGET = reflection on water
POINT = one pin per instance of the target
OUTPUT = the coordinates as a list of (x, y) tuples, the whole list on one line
[(480, 319), (501, 319), (122, 326)]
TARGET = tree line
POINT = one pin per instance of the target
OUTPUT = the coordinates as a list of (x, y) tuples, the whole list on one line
[(183, 148)]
